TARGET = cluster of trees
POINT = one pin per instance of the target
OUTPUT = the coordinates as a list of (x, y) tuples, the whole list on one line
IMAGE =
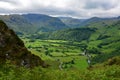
[(104, 57), (94, 51), (77, 34)]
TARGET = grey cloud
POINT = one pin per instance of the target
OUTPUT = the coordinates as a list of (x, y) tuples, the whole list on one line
[(76, 8), (98, 4), (10, 1)]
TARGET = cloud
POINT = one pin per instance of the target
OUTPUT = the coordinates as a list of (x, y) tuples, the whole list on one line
[(73, 8), (106, 4), (8, 1)]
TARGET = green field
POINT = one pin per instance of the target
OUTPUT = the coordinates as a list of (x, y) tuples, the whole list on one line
[(53, 52)]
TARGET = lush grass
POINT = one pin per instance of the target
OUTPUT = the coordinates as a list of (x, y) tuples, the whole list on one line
[(55, 51), (10, 72)]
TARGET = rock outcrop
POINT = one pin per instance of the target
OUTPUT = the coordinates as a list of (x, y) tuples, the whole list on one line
[(12, 49)]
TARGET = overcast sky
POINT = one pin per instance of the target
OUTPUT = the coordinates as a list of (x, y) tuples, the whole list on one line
[(69, 8)]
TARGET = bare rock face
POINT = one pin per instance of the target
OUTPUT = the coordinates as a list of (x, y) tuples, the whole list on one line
[(13, 49)]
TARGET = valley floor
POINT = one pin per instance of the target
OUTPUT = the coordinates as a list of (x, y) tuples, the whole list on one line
[(58, 53)]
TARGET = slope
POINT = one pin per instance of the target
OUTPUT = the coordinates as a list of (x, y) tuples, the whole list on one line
[(76, 34), (105, 39), (72, 22), (12, 49), (32, 23)]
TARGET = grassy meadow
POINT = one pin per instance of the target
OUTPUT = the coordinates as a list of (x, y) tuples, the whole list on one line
[(54, 52)]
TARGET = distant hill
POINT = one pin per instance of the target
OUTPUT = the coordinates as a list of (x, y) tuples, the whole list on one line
[(72, 22), (12, 49), (95, 28), (37, 23), (76, 23), (45, 23), (32, 23)]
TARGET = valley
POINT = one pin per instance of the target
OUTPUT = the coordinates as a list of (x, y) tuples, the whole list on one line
[(59, 39), (53, 52), (88, 50)]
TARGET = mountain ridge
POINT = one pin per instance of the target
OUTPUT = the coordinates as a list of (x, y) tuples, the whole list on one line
[(32, 23), (75, 23)]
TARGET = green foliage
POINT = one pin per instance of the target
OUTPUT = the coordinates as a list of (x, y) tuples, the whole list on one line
[(104, 57), (77, 34), (10, 72), (53, 50), (94, 51)]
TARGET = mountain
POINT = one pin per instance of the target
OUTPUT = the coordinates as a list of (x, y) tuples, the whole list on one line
[(32, 23), (94, 29), (12, 49), (72, 22), (37, 23), (18, 23), (44, 22)]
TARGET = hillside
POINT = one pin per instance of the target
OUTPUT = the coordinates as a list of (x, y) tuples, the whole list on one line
[(76, 34), (12, 49), (101, 35), (72, 22), (75, 23), (32, 23), (45, 23), (106, 39)]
